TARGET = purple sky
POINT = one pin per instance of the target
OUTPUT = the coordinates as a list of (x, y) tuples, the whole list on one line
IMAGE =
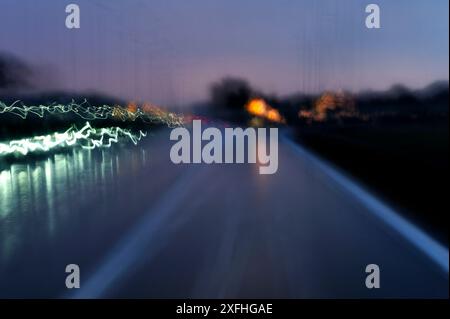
[(169, 51)]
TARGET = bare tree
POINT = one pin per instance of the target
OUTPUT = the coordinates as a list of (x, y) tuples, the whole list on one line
[(14, 73)]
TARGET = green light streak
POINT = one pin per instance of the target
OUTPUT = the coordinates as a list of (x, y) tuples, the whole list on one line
[(90, 112), (87, 138)]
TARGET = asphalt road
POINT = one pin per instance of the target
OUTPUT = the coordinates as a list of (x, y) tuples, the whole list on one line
[(140, 226)]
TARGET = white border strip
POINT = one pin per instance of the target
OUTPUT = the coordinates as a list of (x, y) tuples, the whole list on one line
[(427, 245)]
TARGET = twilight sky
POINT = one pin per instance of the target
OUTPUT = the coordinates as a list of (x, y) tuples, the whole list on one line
[(170, 51)]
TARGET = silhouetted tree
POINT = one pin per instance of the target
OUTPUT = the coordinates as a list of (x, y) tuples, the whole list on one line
[(232, 93), (13, 72)]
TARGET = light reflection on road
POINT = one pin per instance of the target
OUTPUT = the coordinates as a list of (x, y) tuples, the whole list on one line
[(229, 232)]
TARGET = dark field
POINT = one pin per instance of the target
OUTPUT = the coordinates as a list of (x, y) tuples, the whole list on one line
[(405, 164)]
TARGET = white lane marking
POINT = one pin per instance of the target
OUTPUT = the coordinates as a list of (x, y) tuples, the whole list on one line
[(142, 238)]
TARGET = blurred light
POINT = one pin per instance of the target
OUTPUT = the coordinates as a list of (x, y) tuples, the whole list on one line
[(89, 112), (88, 138), (259, 107)]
